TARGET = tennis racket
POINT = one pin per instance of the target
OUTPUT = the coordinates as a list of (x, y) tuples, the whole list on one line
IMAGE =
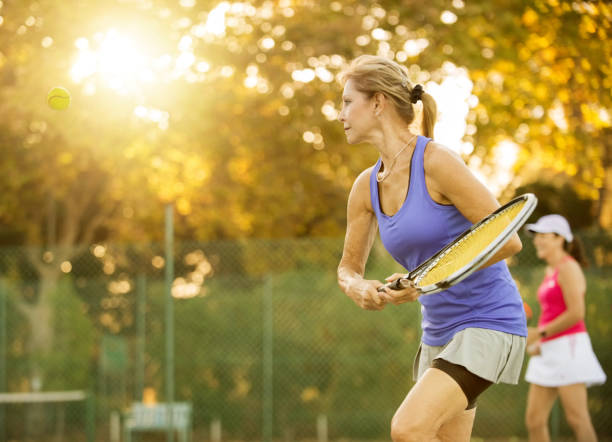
[(470, 250)]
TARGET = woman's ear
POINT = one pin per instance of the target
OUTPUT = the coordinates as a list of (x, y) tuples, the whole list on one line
[(379, 100)]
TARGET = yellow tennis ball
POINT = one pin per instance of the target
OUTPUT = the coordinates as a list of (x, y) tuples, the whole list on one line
[(58, 98)]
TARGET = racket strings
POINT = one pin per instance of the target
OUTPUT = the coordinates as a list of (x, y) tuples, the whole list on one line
[(468, 248)]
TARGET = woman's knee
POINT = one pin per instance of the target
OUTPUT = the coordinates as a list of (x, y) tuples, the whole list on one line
[(535, 419), (402, 434), (578, 419)]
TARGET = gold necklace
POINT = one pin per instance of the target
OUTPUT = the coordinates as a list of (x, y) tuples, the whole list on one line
[(380, 176)]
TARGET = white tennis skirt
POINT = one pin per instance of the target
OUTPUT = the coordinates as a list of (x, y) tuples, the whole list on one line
[(566, 360)]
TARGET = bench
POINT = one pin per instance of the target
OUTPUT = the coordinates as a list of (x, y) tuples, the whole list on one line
[(155, 417)]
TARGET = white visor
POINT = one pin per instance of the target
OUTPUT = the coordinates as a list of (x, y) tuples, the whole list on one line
[(552, 224)]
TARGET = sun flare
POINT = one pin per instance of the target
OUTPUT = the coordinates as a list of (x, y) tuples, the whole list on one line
[(115, 60)]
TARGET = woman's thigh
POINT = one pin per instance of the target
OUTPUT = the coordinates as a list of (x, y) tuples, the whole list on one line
[(435, 400), (575, 403), (459, 428)]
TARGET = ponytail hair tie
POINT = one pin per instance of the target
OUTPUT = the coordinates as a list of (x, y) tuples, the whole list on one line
[(417, 92)]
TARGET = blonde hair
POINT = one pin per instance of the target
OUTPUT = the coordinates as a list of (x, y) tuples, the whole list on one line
[(372, 74)]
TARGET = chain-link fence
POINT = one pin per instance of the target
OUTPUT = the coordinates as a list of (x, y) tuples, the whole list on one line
[(265, 345)]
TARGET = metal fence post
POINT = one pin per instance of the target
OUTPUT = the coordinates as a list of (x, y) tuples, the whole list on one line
[(3, 364), (169, 320), (268, 360), (322, 428), (90, 419), (140, 333)]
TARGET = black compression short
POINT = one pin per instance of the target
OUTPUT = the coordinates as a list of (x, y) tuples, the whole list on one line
[(471, 384)]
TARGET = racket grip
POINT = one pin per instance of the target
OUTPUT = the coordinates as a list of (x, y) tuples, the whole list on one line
[(398, 284)]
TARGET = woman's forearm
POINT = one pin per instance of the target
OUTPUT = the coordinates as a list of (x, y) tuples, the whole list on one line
[(562, 322)]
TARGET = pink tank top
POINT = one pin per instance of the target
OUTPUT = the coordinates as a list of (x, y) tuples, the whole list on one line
[(551, 300)]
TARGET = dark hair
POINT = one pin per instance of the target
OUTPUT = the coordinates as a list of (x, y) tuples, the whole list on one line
[(576, 250)]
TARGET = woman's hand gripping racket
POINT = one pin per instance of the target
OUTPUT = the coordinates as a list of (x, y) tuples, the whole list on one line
[(470, 250)]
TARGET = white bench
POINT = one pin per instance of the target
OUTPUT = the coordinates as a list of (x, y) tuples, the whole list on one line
[(155, 417)]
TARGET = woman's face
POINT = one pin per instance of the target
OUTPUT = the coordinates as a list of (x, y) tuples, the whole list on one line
[(547, 244), (357, 114)]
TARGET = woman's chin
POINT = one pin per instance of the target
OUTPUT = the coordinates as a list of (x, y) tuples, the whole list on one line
[(351, 140)]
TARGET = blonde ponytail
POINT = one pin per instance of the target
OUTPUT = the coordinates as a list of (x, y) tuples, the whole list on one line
[(430, 112)]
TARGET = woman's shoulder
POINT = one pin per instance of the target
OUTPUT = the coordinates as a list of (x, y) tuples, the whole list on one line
[(569, 269), (569, 265), (437, 155), (363, 179), (360, 193)]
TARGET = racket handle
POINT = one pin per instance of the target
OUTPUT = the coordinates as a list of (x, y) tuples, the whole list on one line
[(398, 284)]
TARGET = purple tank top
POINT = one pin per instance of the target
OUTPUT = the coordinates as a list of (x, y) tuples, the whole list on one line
[(487, 299)]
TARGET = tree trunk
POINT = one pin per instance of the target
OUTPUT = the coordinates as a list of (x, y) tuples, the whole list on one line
[(41, 316), (605, 194), (605, 202), (40, 345)]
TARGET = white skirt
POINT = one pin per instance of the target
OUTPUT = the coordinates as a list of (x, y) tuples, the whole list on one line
[(566, 360)]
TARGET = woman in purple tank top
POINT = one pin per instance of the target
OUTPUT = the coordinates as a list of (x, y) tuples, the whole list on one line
[(420, 195)]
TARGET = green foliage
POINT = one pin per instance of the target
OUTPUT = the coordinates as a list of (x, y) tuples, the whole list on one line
[(326, 352), (328, 356), (562, 199), (73, 342), (69, 363)]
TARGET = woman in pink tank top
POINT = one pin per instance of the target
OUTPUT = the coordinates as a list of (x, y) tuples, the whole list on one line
[(562, 360)]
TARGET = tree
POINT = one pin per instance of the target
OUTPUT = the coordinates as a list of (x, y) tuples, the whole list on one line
[(541, 71)]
